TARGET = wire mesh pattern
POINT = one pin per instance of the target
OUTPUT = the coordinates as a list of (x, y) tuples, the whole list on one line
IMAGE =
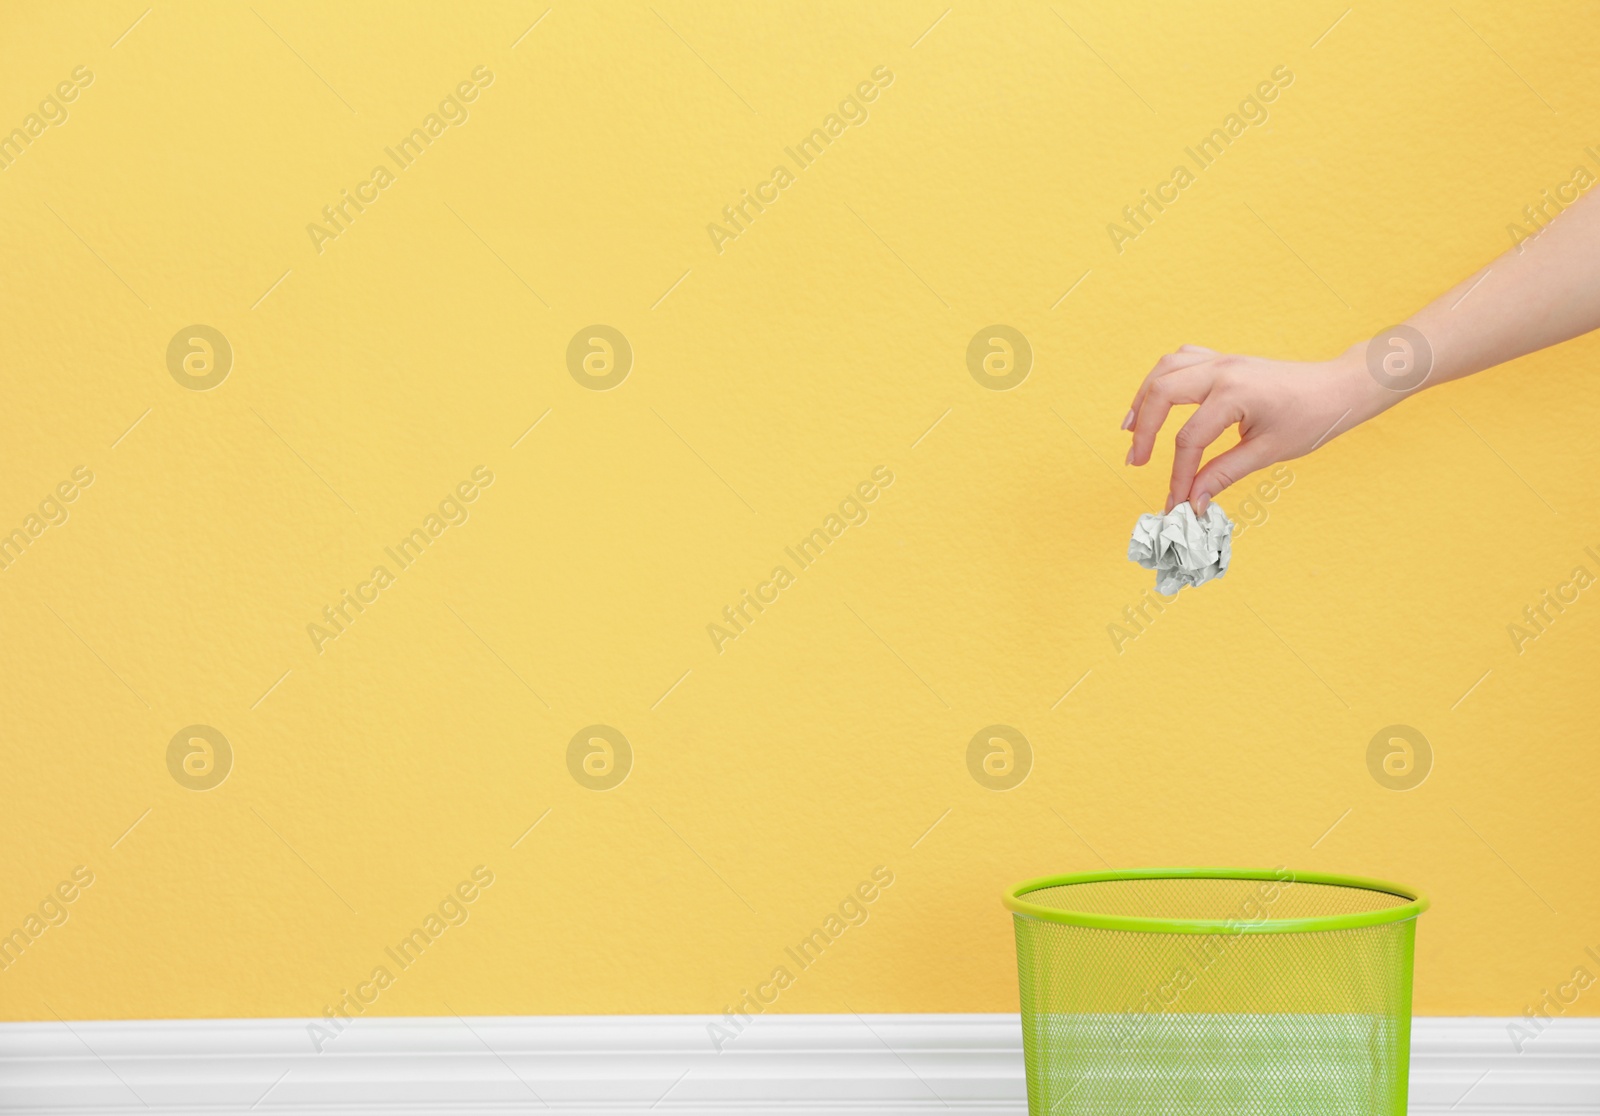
[(1244, 1023)]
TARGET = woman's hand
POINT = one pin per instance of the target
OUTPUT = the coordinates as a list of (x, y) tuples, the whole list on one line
[(1284, 409), (1542, 292)]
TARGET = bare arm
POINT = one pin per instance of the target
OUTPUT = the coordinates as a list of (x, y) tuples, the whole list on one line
[(1543, 292)]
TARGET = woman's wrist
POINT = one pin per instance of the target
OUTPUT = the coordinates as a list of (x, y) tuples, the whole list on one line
[(1375, 375)]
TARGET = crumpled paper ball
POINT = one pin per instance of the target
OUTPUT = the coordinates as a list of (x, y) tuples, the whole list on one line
[(1183, 548)]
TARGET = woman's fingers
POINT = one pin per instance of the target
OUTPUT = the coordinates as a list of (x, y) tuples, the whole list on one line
[(1226, 468), (1204, 427), (1186, 385), (1184, 357)]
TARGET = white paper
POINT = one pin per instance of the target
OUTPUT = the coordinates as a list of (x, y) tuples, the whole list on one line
[(1183, 548)]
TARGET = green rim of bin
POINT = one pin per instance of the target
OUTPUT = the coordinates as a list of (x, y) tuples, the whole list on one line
[(1016, 900)]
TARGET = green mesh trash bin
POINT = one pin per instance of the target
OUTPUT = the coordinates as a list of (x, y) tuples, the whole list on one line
[(1213, 991)]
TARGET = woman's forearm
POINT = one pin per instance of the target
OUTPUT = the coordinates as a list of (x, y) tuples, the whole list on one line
[(1543, 292)]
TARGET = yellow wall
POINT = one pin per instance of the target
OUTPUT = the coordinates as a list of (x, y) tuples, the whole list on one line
[(823, 347)]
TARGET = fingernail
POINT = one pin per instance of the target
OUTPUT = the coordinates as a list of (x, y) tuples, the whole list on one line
[(1198, 503), (1129, 459), (1127, 423)]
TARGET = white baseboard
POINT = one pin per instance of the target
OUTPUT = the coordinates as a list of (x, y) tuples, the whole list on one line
[(797, 1065)]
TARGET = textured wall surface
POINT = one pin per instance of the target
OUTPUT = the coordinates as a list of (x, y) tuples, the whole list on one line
[(259, 739)]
